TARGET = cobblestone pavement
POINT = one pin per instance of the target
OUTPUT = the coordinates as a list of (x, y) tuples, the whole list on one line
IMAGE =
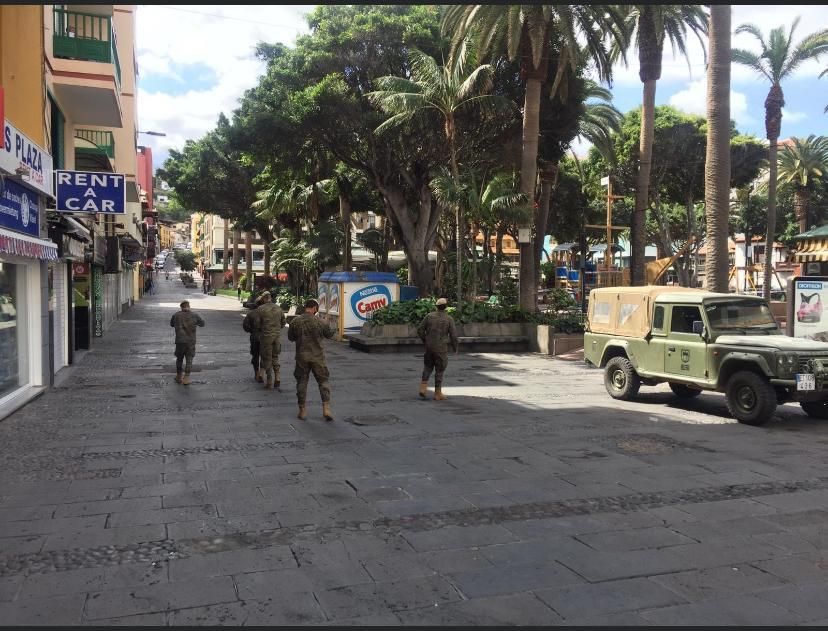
[(528, 497)]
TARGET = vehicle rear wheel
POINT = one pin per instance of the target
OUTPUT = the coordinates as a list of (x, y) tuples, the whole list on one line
[(750, 398), (815, 409), (620, 379), (684, 392)]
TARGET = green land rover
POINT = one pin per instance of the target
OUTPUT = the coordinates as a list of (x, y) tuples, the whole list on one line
[(699, 340)]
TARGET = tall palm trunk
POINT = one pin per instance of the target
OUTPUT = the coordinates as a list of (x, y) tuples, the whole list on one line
[(773, 125), (224, 258), (717, 159), (549, 179), (455, 174), (248, 258), (642, 184), (236, 239), (802, 198), (528, 177)]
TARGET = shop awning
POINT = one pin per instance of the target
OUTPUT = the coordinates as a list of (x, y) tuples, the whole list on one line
[(811, 250), (24, 245), (564, 247)]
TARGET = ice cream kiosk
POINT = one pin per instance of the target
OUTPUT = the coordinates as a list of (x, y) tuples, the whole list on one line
[(347, 299)]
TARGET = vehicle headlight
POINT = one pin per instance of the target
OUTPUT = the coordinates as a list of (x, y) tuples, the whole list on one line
[(786, 362)]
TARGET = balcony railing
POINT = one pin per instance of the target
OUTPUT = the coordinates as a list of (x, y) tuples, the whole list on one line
[(87, 37), (105, 140)]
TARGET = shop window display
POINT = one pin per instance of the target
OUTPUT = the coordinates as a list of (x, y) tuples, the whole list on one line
[(14, 368)]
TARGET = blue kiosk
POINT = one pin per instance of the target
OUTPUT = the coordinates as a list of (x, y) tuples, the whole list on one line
[(347, 299)]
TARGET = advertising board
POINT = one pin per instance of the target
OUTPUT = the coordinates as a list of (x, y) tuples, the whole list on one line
[(808, 307)]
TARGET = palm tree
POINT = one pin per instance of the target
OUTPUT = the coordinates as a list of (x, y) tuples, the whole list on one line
[(778, 60), (648, 26), (799, 165), (447, 90), (822, 74), (600, 120), (526, 31), (717, 158)]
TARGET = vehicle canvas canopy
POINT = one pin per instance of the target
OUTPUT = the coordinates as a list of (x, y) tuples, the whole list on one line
[(628, 311)]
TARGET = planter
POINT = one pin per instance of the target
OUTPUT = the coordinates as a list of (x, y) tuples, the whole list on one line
[(544, 339), (370, 329)]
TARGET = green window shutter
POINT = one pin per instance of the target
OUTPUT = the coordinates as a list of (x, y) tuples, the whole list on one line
[(58, 136)]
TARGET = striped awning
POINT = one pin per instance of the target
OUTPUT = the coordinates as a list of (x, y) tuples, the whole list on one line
[(811, 250), (25, 245)]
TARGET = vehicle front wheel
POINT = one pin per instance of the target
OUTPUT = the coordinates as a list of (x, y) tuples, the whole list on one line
[(815, 409), (620, 379), (751, 399), (684, 392)]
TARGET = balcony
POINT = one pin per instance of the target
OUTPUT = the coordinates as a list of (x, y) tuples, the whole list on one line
[(86, 67)]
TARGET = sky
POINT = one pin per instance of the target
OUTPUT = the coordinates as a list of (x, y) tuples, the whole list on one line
[(195, 62)]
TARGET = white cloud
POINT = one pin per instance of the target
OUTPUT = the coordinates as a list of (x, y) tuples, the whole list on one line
[(793, 117), (693, 99), (221, 37)]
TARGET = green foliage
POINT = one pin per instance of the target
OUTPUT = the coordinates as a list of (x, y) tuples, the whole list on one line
[(185, 260), (506, 290), (402, 274), (560, 300), (409, 312)]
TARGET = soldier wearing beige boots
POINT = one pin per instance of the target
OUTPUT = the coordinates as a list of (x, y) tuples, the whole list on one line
[(307, 331), (268, 322), (437, 330), (185, 323)]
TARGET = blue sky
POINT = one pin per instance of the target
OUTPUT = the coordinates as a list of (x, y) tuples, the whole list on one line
[(196, 61)]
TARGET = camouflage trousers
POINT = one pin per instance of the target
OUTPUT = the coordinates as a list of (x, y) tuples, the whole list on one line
[(182, 352), (436, 362), (302, 373), (269, 348)]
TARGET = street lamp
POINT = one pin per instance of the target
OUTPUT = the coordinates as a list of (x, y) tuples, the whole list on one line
[(151, 133)]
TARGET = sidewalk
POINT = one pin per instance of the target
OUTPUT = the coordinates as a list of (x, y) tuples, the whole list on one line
[(528, 497)]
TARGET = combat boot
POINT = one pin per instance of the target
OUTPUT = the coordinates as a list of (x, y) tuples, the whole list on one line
[(186, 380), (423, 389), (438, 394), (302, 414), (269, 382), (326, 411), (259, 376), (178, 377), (276, 381)]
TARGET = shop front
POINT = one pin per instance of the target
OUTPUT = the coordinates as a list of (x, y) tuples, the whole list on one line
[(26, 171)]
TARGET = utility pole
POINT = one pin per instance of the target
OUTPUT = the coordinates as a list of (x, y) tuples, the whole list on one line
[(606, 181)]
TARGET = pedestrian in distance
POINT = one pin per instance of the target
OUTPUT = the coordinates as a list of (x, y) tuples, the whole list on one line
[(248, 324), (268, 322), (437, 330), (238, 292), (307, 332), (185, 323)]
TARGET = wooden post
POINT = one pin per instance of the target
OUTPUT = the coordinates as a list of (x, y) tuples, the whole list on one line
[(608, 253)]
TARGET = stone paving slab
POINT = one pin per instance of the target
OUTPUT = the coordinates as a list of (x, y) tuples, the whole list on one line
[(528, 497)]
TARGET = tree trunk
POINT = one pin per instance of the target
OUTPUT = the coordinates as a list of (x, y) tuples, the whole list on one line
[(549, 179), (638, 236), (528, 177), (692, 229), (266, 257), (226, 246), (801, 201), (345, 218), (236, 239), (501, 232), (248, 258), (717, 159)]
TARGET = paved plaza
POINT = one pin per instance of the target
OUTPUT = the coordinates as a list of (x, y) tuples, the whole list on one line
[(528, 497)]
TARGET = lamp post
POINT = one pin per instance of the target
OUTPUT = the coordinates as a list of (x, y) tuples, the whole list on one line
[(151, 133)]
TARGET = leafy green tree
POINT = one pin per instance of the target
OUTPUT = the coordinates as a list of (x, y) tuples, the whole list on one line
[(800, 166), (185, 260), (778, 60), (649, 26)]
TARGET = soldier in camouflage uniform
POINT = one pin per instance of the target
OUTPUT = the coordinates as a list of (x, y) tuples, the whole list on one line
[(437, 330), (307, 331), (248, 324), (268, 321), (185, 323)]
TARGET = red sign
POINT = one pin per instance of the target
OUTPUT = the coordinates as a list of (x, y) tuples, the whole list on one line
[(80, 269)]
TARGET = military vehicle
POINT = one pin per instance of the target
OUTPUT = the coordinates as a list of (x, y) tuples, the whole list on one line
[(697, 340)]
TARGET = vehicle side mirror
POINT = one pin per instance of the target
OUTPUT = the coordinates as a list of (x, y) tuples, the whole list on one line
[(698, 327)]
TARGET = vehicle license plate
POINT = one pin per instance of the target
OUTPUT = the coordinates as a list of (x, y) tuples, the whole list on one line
[(805, 382)]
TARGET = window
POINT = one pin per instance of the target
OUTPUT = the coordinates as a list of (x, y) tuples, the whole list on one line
[(683, 318), (601, 315), (658, 319), (626, 310), (58, 130)]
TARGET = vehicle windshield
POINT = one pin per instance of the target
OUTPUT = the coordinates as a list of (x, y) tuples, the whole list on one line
[(740, 314)]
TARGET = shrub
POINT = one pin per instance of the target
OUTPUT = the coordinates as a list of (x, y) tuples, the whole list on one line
[(507, 290), (560, 300), (228, 278), (402, 274)]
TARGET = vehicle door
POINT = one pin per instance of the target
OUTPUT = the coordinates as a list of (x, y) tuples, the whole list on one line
[(657, 348), (685, 352)]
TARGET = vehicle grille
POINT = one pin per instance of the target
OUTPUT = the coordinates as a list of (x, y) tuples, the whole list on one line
[(804, 361)]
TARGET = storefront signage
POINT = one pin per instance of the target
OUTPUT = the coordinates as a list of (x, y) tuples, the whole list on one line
[(97, 291), (19, 155), (72, 248), (19, 208), (90, 192)]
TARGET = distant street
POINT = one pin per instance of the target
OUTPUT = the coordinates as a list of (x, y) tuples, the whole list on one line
[(528, 497)]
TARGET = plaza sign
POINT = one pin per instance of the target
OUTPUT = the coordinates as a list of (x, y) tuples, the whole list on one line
[(19, 155), (90, 192)]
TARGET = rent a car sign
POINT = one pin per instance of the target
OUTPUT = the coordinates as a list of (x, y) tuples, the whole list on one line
[(90, 192)]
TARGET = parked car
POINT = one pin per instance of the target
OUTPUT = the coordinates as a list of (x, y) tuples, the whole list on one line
[(696, 340)]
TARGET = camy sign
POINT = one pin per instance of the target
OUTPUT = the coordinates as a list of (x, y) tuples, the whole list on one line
[(368, 299)]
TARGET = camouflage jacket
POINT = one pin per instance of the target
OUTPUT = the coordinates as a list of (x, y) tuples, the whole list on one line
[(307, 331), (437, 329), (185, 323), (268, 320)]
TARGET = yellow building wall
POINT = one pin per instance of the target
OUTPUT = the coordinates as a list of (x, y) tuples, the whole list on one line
[(21, 68)]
